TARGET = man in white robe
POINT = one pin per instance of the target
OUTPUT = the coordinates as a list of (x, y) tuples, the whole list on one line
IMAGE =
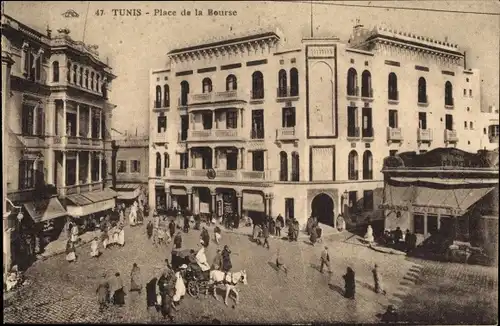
[(201, 259)]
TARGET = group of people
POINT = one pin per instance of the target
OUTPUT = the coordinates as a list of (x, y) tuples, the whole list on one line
[(313, 230)]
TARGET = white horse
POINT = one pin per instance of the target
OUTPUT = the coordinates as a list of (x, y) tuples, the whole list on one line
[(232, 279)]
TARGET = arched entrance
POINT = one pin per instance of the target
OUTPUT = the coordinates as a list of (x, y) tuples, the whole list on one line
[(322, 208)]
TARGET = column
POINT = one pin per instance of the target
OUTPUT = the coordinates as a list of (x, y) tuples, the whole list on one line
[(90, 122), (77, 168), (78, 120), (213, 193), (216, 158), (242, 158), (425, 225), (100, 124), (100, 168), (214, 121), (64, 168), (239, 197), (191, 160), (266, 204), (65, 122), (167, 197), (266, 159), (271, 196), (89, 170), (439, 221), (241, 117), (190, 198)]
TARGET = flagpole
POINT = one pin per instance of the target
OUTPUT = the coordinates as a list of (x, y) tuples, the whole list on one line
[(311, 19), (85, 23)]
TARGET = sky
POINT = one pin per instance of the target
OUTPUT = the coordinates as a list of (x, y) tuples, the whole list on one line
[(135, 45)]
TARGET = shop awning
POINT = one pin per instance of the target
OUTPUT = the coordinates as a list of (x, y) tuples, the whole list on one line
[(461, 199), (127, 195), (91, 202), (442, 181), (45, 210), (253, 202), (127, 186), (178, 191), (399, 195)]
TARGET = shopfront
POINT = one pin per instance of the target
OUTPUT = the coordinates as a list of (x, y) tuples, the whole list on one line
[(254, 206), (127, 192), (87, 208)]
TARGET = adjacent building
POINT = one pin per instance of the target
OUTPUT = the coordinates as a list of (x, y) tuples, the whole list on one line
[(55, 113), (256, 126)]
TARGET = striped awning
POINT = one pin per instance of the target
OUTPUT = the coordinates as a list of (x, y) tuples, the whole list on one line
[(45, 210), (127, 186), (88, 198)]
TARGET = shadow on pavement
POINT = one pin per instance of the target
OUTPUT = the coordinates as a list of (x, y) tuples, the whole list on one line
[(337, 289), (273, 266), (366, 285)]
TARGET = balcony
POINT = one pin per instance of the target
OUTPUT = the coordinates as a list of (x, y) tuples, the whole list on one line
[(79, 189), (450, 136), (423, 100), (287, 133), (160, 106), (33, 141), (449, 103), (352, 133), (182, 103), (394, 135), (367, 134), (160, 138), (287, 94), (74, 141), (257, 96), (214, 135), (424, 135), (220, 175), (353, 93), (200, 98), (214, 97), (493, 139), (393, 97), (367, 94)]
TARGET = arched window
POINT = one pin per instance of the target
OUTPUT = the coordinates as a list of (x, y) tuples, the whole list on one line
[(92, 81), (422, 90), (68, 72), (207, 85), (282, 83), (184, 92), (393, 87), (81, 77), (448, 93), (74, 73), (86, 78), (294, 82), (283, 166), (158, 164), (295, 167), (166, 96), (257, 85), (352, 82), (366, 84), (55, 71), (367, 165), (158, 96), (166, 158), (231, 83), (98, 83), (353, 166)]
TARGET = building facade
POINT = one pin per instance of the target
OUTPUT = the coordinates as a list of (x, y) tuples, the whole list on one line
[(55, 113), (255, 126)]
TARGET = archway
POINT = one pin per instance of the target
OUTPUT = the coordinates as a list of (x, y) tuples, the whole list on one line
[(322, 208)]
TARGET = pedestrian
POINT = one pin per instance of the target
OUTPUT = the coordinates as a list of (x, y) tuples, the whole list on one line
[(296, 228), (180, 289), (256, 234), (118, 293), (265, 235), (369, 235), (217, 262), (279, 224), (70, 251), (226, 260), (121, 235), (103, 293), (272, 226), (309, 225), (74, 233), (205, 237), (237, 219), (161, 236), (280, 265), (350, 283), (178, 240), (186, 224), (135, 279), (217, 234), (377, 280), (94, 248), (149, 229), (165, 291), (325, 260), (313, 235), (171, 228)]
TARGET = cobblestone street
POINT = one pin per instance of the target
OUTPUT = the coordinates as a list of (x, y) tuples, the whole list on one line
[(62, 292)]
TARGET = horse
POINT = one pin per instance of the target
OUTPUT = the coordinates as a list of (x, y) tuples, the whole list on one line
[(230, 282)]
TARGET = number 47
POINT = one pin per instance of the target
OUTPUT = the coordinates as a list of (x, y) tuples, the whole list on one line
[(99, 12)]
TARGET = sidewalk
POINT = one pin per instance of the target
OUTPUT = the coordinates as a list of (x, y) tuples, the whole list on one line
[(59, 246)]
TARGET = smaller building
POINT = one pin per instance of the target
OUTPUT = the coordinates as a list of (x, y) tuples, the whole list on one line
[(446, 190), (130, 167)]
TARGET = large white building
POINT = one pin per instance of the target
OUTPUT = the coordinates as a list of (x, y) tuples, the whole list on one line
[(253, 126)]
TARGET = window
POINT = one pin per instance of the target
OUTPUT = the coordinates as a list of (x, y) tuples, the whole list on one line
[(282, 83), (471, 125), (81, 77), (75, 68), (465, 124), (484, 131), (448, 94), (184, 127), (98, 83), (353, 201), (184, 160), (184, 92), (493, 131), (367, 165), (231, 119), (353, 165), (393, 152), (26, 174), (393, 87), (257, 85), (231, 83), (367, 130), (27, 124), (352, 122), (207, 120), (289, 208), (418, 224), (283, 166), (121, 166), (158, 165), (295, 167), (470, 92), (352, 82), (86, 78), (432, 224), (422, 90), (94, 168), (393, 118), (257, 124), (294, 82), (449, 122), (135, 166), (288, 119), (158, 97), (207, 85), (422, 120), (162, 124), (467, 79), (55, 71), (68, 72), (366, 84), (92, 81), (71, 172), (95, 124), (166, 159), (166, 96), (258, 161), (368, 200), (465, 92), (231, 160)]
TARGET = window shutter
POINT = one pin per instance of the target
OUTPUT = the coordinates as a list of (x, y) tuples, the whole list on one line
[(21, 175)]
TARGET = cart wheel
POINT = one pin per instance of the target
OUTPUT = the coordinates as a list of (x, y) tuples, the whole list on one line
[(193, 289)]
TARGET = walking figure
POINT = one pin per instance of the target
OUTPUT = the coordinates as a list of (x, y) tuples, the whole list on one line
[(280, 265), (350, 283), (325, 260), (265, 235), (377, 280)]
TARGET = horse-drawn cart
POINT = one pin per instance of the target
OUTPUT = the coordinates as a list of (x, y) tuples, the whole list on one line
[(195, 279)]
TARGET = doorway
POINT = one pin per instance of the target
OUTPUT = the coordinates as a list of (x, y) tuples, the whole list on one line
[(322, 208)]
